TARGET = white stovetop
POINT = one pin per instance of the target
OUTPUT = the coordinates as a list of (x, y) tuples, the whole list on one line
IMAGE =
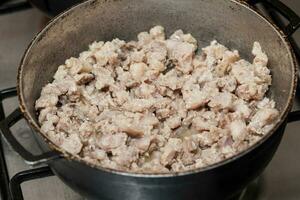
[(279, 181)]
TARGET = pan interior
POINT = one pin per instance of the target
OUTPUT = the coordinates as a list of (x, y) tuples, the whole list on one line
[(229, 22)]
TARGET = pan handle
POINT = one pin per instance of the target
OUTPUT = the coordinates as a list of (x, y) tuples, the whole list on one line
[(8, 122), (293, 116), (9, 6), (289, 14)]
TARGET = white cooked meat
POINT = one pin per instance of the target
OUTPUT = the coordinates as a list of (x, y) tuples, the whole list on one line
[(154, 105)]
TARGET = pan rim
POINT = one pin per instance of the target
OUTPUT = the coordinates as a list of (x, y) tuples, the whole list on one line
[(69, 156)]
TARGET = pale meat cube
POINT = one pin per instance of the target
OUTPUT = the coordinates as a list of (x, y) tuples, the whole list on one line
[(223, 100), (76, 66), (83, 78), (132, 130), (104, 102), (157, 32), (105, 126), (197, 98), (251, 91), (183, 52), (142, 143), (138, 105), (47, 126), (64, 124), (107, 163), (201, 75), (72, 144), (207, 138), (201, 124), (44, 112), (180, 36), (243, 108), (190, 116), (261, 58), (65, 111), (262, 118), (227, 83), (108, 142), (96, 45), (121, 96), (190, 144), (61, 73), (149, 119), (156, 51), (51, 89), (125, 78), (144, 38), (67, 85), (260, 62), (238, 130), (179, 106), (52, 118), (171, 80), (228, 58), (87, 56), (56, 138), (109, 52), (152, 163), (173, 122), (262, 75), (169, 151), (163, 113), (178, 166), (243, 72), (137, 56), (125, 155), (145, 91), (98, 154), (225, 143), (92, 112), (211, 155), (137, 71), (86, 129), (187, 158), (46, 101), (103, 78), (128, 125), (213, 53), (266, 103), (199, 61)]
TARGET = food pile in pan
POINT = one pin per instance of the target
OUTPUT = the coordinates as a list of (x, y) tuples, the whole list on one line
[(155, 105)]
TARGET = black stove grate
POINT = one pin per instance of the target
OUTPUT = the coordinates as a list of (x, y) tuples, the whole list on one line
[(4, 177), (19, 178), (11, 189)]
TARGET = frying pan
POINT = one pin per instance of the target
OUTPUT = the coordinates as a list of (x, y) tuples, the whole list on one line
[(233, 23)]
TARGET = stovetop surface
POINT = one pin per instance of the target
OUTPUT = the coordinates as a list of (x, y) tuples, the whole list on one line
[(279, 181)]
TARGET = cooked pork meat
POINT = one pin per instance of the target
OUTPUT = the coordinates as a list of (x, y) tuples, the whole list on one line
[(155, 105)]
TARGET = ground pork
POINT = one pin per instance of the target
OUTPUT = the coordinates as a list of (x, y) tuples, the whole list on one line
[(157, 104)]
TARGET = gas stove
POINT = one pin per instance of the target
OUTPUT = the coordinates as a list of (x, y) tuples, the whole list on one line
[(19, 181)]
